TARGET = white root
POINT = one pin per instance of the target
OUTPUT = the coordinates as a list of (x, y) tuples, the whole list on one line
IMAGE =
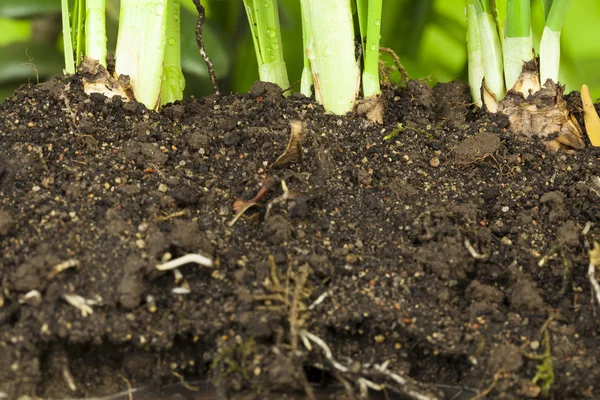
[(187, 259), (364, 383), (80, 303), (595, 285), (474, 252)]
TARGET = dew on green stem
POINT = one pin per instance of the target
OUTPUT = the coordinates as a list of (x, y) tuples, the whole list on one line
[(271, 33)]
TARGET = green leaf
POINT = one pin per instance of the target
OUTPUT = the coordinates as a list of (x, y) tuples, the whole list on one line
[(28, 8), (14, 30), (420, 14)]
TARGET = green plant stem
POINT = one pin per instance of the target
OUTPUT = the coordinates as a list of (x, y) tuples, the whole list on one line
[(173, 81), (141, 47), (518, 44), (550, 43), (263, 16), (331, 50), (78, 30), (67, 43), (306, 81), (370, 76), (546, 5), (95, 30), (475, 60), (491, 48)]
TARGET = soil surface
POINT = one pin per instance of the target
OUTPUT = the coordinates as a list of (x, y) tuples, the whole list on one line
[(435, 255)]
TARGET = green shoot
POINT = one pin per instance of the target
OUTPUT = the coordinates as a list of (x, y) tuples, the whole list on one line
[(546, 5), (67, 43), (362, 10), (515, 50), (306, 81), (550, 44), (331, 51), (399, 128), (263, 16), (518, 44), (77, 29), (141, 47), (369, 17), (148, 47), (95, 30), (544, 376), (173, 81), (475, 62), (491, 48)]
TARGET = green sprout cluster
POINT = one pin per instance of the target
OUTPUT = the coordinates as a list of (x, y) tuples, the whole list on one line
[(148, 44), (495, 59), (330, 65)]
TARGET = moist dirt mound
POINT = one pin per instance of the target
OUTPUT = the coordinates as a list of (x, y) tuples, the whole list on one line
[(436, 255)]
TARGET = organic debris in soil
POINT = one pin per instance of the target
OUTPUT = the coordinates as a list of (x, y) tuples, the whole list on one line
[(451, 255)]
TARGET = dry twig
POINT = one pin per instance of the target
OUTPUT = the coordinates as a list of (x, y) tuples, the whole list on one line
[(209, 64)]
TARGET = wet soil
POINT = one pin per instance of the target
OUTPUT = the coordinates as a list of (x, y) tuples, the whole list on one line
[(436, 254)]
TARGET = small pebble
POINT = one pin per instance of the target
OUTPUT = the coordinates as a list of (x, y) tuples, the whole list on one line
[(534, 345)]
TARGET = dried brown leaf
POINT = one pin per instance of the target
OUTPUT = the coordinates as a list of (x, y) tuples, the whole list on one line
[(293, 152), (241, 206)]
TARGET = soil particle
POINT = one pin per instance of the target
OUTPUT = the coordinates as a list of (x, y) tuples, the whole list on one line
[(506, 358), (144, 154), (477, 291), (452, 102), (6, 223), (417, 101), (558, 208), (284, 373), (567, 234), (130, 288), (476, 148), (320, 265), (136, 364), (267, 90), (277, 229), (446, 258), (187, 236), (484, 299), (33, 273), (526, 298)]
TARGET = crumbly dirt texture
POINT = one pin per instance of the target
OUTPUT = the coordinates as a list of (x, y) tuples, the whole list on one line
[(452, 253)]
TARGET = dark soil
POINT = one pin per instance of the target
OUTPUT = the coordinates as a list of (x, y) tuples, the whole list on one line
[(452, 253)]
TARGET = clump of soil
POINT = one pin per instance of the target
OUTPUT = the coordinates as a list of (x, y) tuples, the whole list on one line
[(451, 253)]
